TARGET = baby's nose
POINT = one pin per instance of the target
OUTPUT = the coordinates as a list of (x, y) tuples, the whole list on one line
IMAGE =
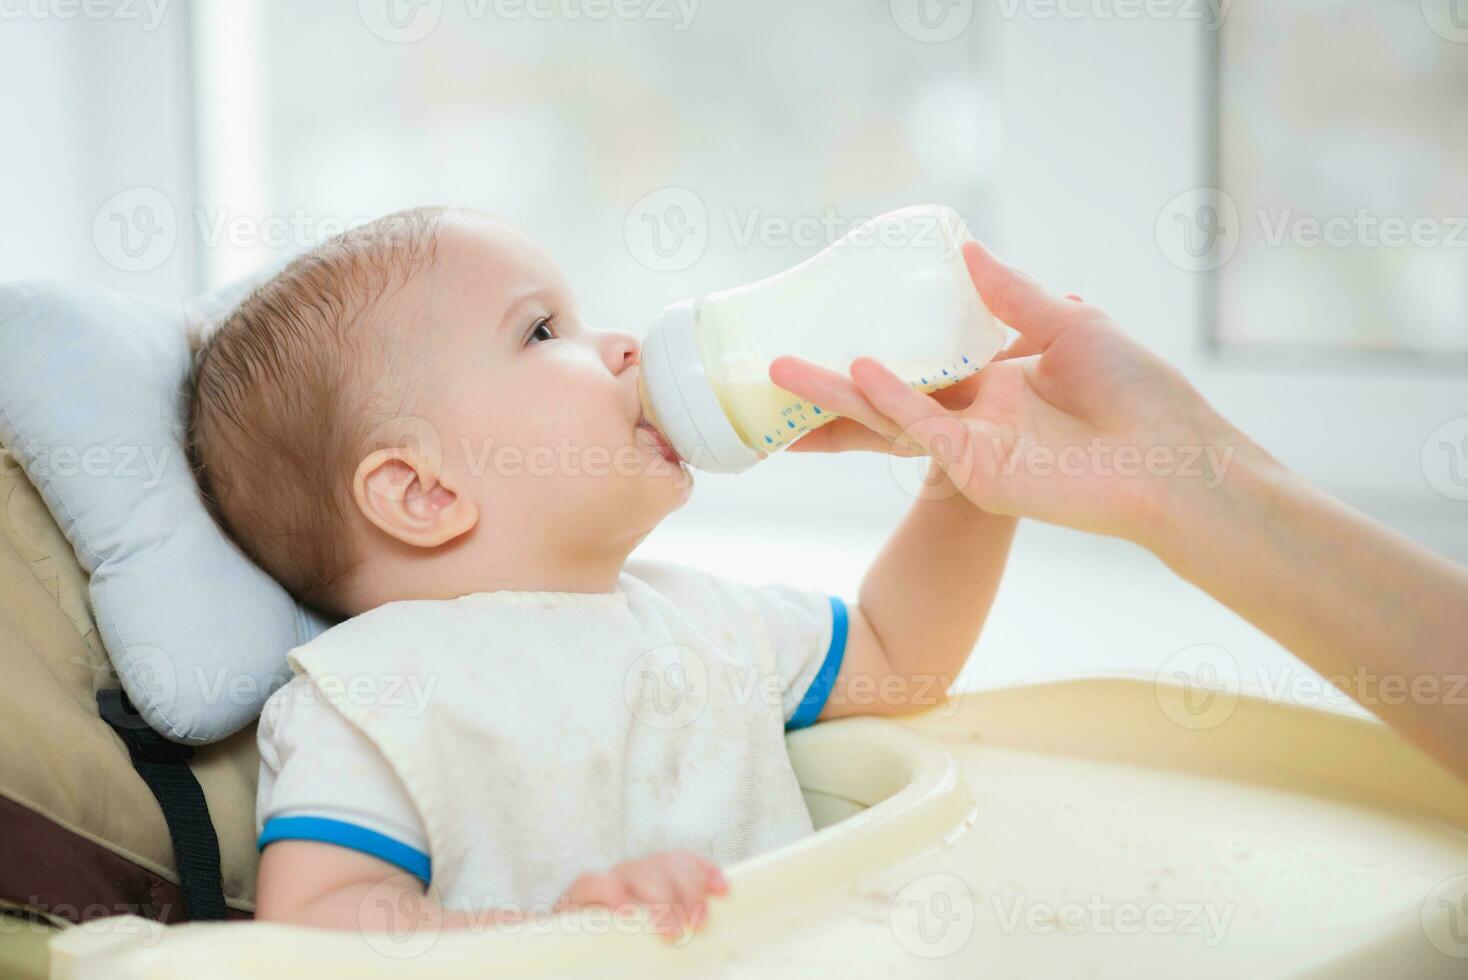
[(623, 351)]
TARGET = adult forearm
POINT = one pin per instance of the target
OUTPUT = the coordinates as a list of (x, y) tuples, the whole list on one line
[(1377, 614), (1349, 597)]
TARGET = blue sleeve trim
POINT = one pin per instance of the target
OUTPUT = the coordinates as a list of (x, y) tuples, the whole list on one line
[(350, 835), (825, 679)]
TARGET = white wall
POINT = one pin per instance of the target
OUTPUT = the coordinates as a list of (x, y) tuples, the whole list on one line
[(1103, 124), (93, 107), (1105, 121)]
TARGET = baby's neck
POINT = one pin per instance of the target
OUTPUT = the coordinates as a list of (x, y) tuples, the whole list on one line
[(401, 573), (590, 577)]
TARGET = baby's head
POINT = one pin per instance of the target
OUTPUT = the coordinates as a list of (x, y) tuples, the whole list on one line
[(416, 410)]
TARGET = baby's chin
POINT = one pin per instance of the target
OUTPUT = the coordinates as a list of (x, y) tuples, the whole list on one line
[(666, 487), (643, 502), (668, 481)]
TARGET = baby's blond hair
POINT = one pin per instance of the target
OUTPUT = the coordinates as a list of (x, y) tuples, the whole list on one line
[(285, 394)]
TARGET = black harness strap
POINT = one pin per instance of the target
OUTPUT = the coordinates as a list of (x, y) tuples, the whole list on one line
[(164, 767)]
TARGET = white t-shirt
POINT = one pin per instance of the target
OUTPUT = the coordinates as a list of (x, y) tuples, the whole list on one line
[(500, 744)]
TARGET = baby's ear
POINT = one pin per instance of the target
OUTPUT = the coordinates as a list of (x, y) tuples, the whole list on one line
[(412, 499)]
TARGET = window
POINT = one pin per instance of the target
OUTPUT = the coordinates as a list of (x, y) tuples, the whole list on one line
[(688, 148), (1344, 163), (769, 127)]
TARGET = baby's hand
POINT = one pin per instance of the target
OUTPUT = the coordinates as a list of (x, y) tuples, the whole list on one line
[(671, 886)]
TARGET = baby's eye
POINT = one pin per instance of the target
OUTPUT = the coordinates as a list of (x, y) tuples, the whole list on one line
[(543, 330)]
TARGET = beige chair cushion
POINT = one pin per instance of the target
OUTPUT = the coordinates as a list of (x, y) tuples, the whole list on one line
[(79, 830)]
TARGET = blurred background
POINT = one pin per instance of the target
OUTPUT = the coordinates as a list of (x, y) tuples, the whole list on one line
[(1272, 193)]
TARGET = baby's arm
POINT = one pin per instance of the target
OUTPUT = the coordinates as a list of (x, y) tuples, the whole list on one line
[(314, 884), (309, 883), (922, 605)]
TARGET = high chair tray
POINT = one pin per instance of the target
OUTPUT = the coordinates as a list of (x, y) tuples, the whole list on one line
[(1099, 827)]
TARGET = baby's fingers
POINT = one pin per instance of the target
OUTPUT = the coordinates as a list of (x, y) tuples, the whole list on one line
[(696, 878), (706, 876), (596, 889), (670, 892)]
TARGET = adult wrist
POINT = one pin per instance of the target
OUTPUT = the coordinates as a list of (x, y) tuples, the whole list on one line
[(1205, 516)]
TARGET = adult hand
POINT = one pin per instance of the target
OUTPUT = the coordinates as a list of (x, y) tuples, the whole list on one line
[(1078, 425), (1074, 423)]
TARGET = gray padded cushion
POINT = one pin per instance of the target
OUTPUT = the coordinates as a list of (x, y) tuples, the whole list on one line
[(92, 404)]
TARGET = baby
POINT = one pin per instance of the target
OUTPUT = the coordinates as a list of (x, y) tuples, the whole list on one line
[(413, 428)]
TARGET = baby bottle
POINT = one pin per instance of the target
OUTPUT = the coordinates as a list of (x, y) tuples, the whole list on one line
[(895, 288)]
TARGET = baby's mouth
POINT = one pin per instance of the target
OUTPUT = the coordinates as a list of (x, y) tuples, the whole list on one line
[(664, 448)]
